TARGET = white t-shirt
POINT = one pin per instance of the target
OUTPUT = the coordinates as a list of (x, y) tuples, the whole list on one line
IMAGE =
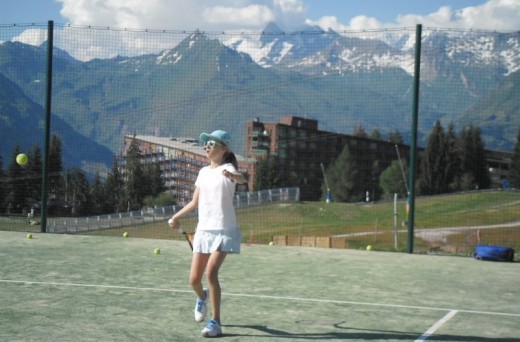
[(216, 192)]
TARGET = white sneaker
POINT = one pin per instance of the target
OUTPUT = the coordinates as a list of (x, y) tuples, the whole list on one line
[(213, 329), (201, 308)]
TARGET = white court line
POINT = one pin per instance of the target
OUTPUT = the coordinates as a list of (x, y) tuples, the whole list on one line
[(298, 299), (436, 326), (27, 282)]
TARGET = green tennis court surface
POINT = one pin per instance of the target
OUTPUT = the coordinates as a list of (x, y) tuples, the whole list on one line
[(88, 288)]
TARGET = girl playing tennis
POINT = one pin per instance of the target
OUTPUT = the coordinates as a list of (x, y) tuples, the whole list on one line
[(217, 231)]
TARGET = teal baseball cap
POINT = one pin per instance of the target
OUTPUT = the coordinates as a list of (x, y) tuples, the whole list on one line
[(218, 135)]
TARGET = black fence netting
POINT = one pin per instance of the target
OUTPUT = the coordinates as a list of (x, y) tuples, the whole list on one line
[(321, 119)]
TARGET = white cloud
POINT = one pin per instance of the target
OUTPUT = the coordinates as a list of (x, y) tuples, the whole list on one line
[(290, 6), (183, 15), (361, 22), (252, 15), (441, 18), (327, 22), (241, 15), (255, 14), (134, 14), (171, 15), (492, 15), (289, 13), (32, 37)]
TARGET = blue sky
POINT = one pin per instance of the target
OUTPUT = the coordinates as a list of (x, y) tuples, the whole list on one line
[(28, 11), (254, 14), (242, 16), (385, 11)]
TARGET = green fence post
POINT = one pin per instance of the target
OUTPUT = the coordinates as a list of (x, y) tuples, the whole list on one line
[(413, 143), (48, 101)]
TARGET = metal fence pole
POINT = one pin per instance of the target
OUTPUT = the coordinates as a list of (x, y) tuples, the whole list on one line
[(48, 102), (413, 144)]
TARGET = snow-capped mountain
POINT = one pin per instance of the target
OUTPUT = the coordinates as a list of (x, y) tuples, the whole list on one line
[(341, 80), (315, 51)]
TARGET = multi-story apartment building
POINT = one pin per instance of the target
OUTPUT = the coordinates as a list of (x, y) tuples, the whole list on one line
[(301, 149), (180, 160)]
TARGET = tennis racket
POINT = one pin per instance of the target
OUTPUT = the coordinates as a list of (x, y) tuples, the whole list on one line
[(183, 232), (186, 236)]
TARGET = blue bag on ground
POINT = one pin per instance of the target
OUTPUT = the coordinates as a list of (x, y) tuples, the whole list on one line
[(494, 253)]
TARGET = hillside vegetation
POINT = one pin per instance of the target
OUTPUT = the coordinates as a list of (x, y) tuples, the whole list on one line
[(443, 224)]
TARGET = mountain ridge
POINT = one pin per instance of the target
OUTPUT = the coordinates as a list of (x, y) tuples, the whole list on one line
[(23, 126), (341, 81)]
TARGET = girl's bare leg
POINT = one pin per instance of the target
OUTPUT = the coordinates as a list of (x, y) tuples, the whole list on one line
[(199, 262), (213, 265)]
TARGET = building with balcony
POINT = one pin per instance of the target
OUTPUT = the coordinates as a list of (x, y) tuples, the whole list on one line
[(301, 149), (180, 160)]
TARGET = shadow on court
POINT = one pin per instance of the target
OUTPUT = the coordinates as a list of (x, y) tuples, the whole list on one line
[(91, 288), (354, 334)]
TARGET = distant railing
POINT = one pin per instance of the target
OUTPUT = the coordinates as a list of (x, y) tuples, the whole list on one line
[(242, 200)]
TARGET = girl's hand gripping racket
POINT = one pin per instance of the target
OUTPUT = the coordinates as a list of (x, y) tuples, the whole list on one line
[(179, 229)]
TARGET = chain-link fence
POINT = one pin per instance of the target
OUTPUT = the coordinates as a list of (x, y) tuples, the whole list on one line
[(151, 216), (329, 113)]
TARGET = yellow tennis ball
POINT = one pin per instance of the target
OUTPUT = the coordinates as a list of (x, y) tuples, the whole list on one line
[(125, 234), (271, 243), (29, 236), (369, 247), (157, 251), (22, 159)]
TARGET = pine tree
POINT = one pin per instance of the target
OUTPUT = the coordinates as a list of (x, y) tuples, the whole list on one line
[(432, 179), (15, 185), (465, 179), (267, 173), (98, 196), (77, 191), (376, 135), (342, 178), (34, 172), (359, 131), (153, 179), (395, 137), (2, 186), (114, 189), (474, 174), (391, 179), (135, 187), (452, 167), (514, 170), (55, 168), (480, 167)]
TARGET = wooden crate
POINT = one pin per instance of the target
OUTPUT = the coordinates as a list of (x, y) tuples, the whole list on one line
[(280, 240), (323, 241), (308, 241), (294, 240), (338, 242)]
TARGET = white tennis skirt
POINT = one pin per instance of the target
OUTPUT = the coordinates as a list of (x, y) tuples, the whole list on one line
[(209, 241)]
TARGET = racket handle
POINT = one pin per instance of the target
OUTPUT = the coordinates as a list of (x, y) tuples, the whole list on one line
[(188, 239)]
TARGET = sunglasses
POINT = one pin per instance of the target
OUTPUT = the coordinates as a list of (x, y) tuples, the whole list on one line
[(212, 143)]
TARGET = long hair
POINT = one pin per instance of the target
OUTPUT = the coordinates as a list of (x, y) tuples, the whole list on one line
[(230, 157)]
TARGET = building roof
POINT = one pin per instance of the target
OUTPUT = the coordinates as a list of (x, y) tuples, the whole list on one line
[(186, 144), (191, 145)]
